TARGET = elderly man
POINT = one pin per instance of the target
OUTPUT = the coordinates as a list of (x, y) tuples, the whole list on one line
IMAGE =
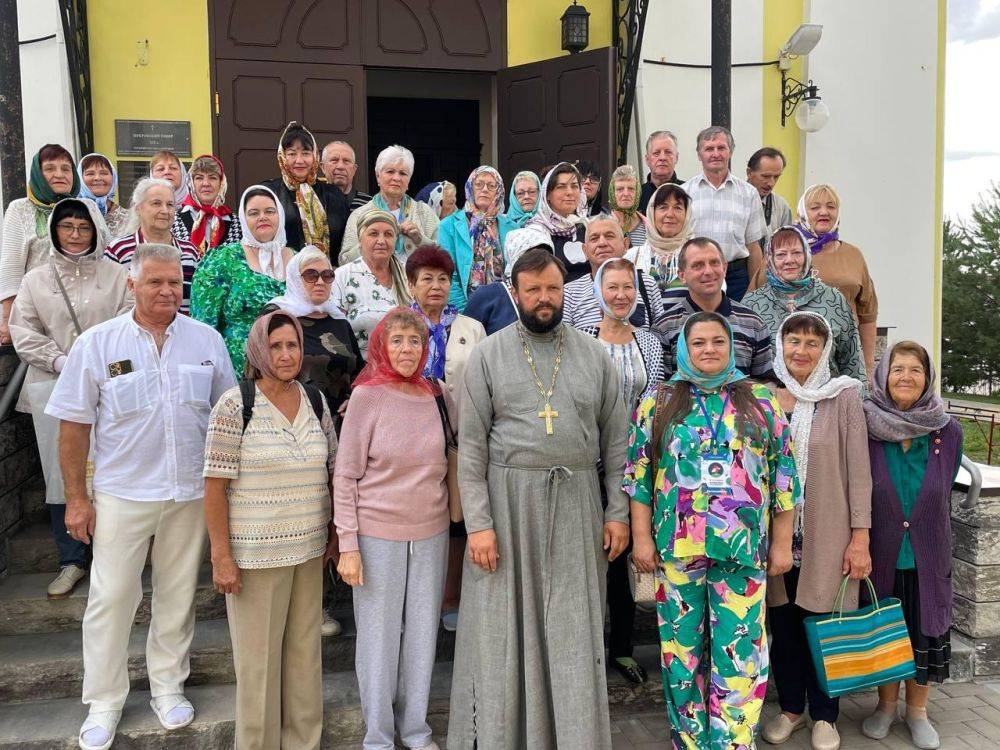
[(701, 265), (541, 409), (661, 158), (727, 209), (144, 382), (763, 172), (603, 239), (339, 165)]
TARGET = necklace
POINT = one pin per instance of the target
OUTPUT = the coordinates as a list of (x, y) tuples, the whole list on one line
[(548, 413)]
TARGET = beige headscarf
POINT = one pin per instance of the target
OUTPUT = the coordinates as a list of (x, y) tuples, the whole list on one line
[(658, 244)]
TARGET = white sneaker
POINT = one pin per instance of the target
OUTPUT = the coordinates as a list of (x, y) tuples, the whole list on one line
[(330, 627), (66, 581), (98, 730), (173, 711), (432, 746)]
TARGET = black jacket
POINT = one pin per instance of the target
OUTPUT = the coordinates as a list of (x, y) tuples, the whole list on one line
[(334, 203)]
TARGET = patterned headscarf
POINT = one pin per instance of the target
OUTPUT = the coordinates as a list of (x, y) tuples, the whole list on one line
[(207, 234), (432, 194), (519, 241), (270, 255), (40, 193), (887, 422), (315, 228), (817, 241), (687, 372), (549, 220), (793, 287), (515, 213), (487, 255), (379, 370), (85, 192), (258, 348), (437, 341)]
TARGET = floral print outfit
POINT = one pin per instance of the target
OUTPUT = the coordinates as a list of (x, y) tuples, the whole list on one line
[(364, 301)]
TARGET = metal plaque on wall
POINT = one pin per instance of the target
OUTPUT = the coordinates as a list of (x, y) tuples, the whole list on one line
[(146, 137)]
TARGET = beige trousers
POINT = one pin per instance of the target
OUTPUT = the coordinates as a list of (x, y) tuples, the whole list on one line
[(121, 540), (274, 623)]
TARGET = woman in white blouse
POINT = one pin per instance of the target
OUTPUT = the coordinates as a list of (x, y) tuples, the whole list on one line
[(367, 288)]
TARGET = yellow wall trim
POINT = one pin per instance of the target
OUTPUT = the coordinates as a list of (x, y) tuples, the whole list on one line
[(534, 31), (781, 18)]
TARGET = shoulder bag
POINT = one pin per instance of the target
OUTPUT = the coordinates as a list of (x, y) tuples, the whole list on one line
[(451, 454)]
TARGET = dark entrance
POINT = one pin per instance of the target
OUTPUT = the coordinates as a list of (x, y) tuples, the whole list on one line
[(443, 135)]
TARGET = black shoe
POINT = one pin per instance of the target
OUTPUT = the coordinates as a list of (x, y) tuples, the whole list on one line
[(631, 670)]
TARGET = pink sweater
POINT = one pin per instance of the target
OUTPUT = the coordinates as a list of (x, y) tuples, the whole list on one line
[(389, 480)]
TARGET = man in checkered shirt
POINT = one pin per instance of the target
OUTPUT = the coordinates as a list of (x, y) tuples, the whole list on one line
[(727, 209)]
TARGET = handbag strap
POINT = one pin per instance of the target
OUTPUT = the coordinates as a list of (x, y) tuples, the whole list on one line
[(65, 296), (449, 434), (838, 604)]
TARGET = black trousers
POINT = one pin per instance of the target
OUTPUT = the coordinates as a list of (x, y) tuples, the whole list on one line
[(621, 607), (737, 279), (791, 662)]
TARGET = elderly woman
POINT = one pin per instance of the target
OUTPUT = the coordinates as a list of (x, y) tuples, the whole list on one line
[(268, 546), (522, 203), (915, 450), (152, 214), (236, 281), (638, 358), (366, 288), (428, 276), (830, 533), (391, 513), (791, 286), (668, 227), (53, 177), (75, 290), (623, 200), (838, 264), (164, 165), (315, 212), (561, 214), (441, 196), (474, 237), (99, 183), (417, 222), (711, 508), (203, 218)]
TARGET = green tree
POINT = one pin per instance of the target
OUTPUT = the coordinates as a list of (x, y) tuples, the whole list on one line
[(971, 297)]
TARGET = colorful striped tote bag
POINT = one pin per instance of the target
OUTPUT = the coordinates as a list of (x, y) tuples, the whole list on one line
[(860, 649)]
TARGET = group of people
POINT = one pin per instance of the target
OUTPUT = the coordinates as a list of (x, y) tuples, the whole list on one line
[(669, 377)]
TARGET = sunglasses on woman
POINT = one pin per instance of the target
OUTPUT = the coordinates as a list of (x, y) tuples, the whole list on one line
[(312, 275)]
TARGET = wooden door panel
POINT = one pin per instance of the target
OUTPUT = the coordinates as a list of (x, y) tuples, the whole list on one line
[(320, 31), (258, 99), (557, 110)]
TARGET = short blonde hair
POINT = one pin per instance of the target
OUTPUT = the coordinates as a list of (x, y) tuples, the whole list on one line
[(821, 191)]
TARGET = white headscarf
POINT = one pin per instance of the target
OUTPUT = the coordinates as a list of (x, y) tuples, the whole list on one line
[(518, 241), (549, 220), (180, 193), (295, 299), (269, 254), (819, 386)]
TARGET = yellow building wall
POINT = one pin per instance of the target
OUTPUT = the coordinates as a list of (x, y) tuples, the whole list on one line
[(534, 31), (174, 82), (781, 18)]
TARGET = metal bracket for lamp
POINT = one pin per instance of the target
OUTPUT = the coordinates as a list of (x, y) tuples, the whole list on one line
[(794, 91)]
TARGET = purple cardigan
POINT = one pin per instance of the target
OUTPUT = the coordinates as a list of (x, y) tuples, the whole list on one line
[(929, 526)]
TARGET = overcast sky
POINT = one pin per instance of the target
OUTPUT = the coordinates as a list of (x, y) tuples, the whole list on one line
[(972, 109)]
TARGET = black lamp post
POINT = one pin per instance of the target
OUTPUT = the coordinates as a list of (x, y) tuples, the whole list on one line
[(575, 28)]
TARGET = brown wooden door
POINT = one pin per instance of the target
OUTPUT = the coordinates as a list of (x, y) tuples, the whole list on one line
[(258, 99), (557, 110)]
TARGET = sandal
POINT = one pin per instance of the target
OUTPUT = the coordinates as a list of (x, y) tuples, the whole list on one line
[(631, 670)]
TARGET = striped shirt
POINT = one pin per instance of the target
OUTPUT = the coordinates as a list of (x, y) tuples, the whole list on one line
[(751, 337), (357, 199), (731, 214), (122, 250), (581, 309)]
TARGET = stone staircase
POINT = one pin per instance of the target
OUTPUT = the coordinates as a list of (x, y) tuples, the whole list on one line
[(41, 666)]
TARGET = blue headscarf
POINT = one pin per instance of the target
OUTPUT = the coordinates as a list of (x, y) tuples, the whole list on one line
[(686, 372), (599, 295), (792, 286), (514, 212), (432, 193), (102, 202)]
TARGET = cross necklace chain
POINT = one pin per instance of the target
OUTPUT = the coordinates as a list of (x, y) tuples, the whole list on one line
[(548, 413)]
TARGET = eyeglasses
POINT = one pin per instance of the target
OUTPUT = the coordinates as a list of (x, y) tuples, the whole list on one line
[(85, 231), (480, 185), (312, 275), (592, 179), (526, 193), (255, 213)]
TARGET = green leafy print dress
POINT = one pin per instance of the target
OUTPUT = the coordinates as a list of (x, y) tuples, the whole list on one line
[(229, 295)]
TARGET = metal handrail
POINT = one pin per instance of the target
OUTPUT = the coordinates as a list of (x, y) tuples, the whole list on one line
[(975, 483), (13, 388)]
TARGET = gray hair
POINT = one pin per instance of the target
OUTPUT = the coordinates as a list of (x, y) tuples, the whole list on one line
[(624, 172), (656, 135), (152, 251), (604, 217), (712, 132), (310, 254), (392, 155), (354, 153), (139, 195)]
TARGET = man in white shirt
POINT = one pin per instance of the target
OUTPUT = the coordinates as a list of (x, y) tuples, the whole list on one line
[(763, 172), (727, 210), (145, 383)]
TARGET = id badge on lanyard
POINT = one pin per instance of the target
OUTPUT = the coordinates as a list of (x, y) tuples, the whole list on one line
[(717, 464)]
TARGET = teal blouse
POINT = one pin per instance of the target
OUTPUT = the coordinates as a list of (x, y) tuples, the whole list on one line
[(906, 470)]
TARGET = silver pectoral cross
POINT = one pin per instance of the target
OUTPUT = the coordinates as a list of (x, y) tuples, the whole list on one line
[(548, 414)]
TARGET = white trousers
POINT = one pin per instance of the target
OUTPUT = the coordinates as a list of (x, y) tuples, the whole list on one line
[(121, 541)]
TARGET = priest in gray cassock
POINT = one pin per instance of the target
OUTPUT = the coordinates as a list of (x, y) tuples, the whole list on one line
[(540, 408)]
